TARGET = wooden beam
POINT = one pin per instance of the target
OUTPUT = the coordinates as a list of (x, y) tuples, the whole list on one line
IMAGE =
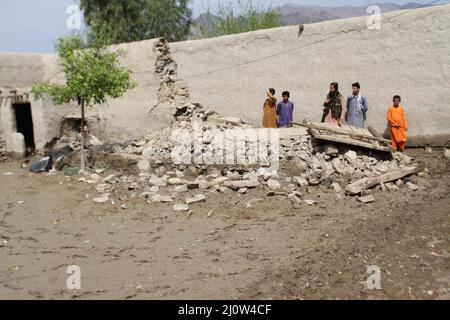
[(367, 183), (348, 140), (350, 132)]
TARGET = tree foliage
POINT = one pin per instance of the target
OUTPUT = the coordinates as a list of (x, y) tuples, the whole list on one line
[(245, 17), (92, 74), (118, 21)]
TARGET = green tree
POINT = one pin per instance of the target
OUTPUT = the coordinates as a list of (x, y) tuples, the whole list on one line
[(93, 74), (245, 17), (118, 21)]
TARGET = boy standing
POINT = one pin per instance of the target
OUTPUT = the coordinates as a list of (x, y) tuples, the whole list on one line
[(397, 122), (285, 111)]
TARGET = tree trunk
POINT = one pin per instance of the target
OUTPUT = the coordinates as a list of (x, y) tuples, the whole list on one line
[(83, 155)]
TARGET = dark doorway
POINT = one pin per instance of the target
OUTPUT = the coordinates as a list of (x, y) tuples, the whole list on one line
[(24, 121)]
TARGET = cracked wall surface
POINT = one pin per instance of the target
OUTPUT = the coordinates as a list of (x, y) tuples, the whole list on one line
[(408, 56)]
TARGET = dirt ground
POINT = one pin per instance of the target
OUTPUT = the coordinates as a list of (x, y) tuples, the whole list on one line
[(231, 247)]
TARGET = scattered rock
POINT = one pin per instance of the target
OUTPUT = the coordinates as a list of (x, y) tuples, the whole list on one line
[(367, 199), (311, 202), (301, 182), (158, 182), (447, 153), (243, 191), (412, 186), (180, 207), (351, 156), (102, 199), (175, 181), (160, 198), (181, 189), (197, 199), (336, 187), (273, 184), (144, 166)]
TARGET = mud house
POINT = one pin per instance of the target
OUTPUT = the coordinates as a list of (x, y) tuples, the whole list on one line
[(408, 56)]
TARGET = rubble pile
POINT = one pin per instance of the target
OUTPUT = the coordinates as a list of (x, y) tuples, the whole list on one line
[(304, 164)]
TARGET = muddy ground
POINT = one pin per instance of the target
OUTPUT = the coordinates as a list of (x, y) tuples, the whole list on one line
[(231, 247)]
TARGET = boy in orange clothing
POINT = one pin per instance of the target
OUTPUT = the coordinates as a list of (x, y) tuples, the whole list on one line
[(397, 121)]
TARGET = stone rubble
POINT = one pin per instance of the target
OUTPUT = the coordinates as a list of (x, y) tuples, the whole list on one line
[(304, 164)]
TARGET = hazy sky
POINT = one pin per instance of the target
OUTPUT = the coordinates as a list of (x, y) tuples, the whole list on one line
[(33, 26)]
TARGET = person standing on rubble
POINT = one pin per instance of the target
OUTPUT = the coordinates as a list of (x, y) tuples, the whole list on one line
[(270, 120), (285, 111), (334, 108), (398, 125), (356, 107)]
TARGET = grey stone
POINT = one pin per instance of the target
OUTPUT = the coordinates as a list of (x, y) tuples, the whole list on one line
[(412, 186), (160, 198), (111, 179), (197, 199), (180, 207), (144, 166), (273, 184), (204, 185), (158, 182), (336, 187), (367, 199), (175, 181), (243, 191), (301, 182), (351, 156), (447, 153), (310, 202)]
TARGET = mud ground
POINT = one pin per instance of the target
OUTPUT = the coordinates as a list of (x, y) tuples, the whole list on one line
[(231, 247)]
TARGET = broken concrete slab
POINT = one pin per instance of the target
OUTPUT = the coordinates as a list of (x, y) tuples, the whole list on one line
[(102, 199), (273, 184)]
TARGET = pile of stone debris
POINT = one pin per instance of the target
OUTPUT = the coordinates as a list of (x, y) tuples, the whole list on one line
[(304, 163)]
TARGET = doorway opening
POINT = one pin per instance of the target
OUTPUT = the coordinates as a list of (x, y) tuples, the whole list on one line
[(24, 123)]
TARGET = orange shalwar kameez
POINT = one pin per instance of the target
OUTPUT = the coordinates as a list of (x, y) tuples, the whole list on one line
[(397, 121)]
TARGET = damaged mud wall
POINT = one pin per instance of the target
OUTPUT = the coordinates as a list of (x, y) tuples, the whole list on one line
[(407, 56)]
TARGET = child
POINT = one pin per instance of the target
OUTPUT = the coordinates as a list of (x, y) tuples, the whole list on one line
[(285, 111), (270, 110), (397, 122)]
